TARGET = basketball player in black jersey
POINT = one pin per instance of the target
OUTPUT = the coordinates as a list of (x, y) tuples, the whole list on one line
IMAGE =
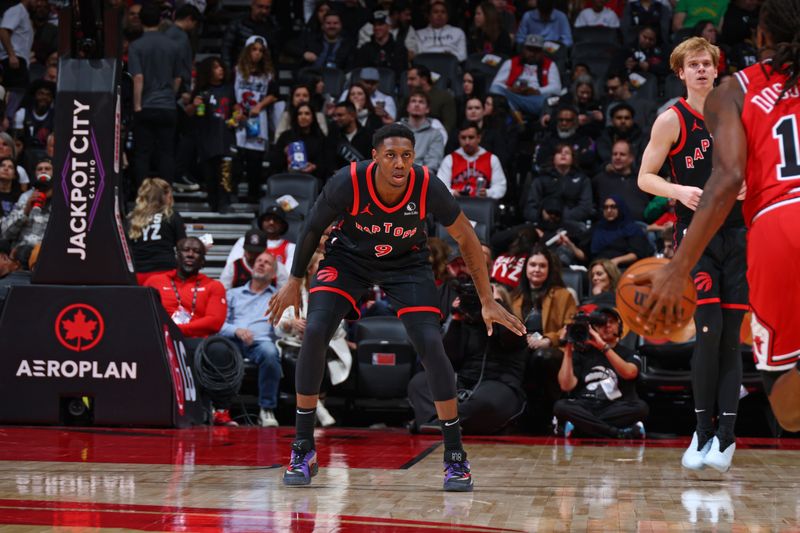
[(679, 135), (380, 239)]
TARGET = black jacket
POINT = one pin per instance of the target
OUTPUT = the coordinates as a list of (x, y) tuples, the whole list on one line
[(574, 189)]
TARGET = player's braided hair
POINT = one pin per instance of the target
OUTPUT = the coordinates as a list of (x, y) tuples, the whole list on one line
[(781, 19)]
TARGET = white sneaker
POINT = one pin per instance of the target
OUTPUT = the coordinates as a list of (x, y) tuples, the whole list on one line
[(267, 419), (718, 460), (323, 416), (692, 457)]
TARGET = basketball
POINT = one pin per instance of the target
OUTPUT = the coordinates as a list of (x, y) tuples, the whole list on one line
[(631, 299)]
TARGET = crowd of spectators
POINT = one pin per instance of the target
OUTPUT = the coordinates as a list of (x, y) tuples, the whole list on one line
[(527, 122)]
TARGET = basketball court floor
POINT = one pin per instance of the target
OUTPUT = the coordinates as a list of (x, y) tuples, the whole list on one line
[(228, 479)]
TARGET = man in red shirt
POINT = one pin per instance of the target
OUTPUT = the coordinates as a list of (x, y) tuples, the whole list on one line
[(195, 302)]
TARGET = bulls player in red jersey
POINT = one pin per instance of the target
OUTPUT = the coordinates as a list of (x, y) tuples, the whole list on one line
[(680, 136), (381, 239), (754, 115)]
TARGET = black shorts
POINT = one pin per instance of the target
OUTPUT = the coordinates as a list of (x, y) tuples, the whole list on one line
[(409, 289), (720, 275)]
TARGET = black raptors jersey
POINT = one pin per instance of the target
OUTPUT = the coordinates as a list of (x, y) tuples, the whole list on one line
[(690, 160), (391, 234)]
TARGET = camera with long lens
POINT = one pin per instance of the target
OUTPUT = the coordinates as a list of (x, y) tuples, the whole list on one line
[(469, 302), (578, 330)]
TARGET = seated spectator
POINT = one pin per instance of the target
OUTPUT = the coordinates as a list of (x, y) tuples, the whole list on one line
[(256, 91), (28, 220), (472, 170), (591, 119), (603, 278), (563, 181), (688, 13), (353, 15), (210, 112), (272, 222), (510, 261), (257, 21), (329, 49), (300, 94), (643, 57), (500, 131), (383, 104), (622, 127), (429, 143), (740, 22), (473, 85), (617, 236), (249, 328), (489, 370), (358, 95), (196, 304), (494, 138), (8, 148), (528, 79), (154, 229), (353, 141), (597, 15), (565, 238), (239, 272), (660, 217), (441, 103), (618, 91), (566, 131), (10, 189), (653, 13), (547, 22), (708, 31), (382, 49), (620, 178), (399, 24), (36, 121), (601, 376), (439, 36), (291, 330), (303, 148), (506, 11), (487, 35)]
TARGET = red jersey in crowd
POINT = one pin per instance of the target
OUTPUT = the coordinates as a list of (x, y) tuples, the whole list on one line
[(200, 296)]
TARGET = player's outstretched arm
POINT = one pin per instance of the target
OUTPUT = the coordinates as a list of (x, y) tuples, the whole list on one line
[(461, 230), (664, 133), (785, 400), (723, 117)]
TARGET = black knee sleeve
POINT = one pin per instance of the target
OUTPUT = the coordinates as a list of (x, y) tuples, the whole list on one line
[(425, 334)]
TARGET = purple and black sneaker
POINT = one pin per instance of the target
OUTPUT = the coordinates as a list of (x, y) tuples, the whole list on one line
[(457, 477), (302, 466)]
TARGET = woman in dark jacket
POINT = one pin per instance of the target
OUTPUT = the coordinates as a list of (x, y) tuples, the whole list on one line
[(565, 182), (617, 237), (304, 129)]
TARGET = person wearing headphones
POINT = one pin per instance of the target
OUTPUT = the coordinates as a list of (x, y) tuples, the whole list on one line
[(600, 376)]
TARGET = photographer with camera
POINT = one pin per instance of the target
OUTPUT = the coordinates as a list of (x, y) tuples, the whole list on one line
[(489, 370), (601, 377), (26, 222)]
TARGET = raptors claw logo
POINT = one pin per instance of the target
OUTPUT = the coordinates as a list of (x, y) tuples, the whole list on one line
[(327, 274), (703, 282)]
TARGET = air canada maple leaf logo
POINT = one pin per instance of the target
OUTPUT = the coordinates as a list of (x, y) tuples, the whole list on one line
[(79, 327)]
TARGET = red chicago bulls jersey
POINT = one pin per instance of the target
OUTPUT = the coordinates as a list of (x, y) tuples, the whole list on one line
[(395, 234), (690, 159), (773, 140), (465, 173)]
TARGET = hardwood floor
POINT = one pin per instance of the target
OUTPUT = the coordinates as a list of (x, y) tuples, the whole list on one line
[(228, 479)]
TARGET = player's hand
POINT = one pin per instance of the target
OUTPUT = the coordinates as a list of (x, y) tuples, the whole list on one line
[(494, 312), (662, 305), (742, 192), (287, 295), (689, 196)]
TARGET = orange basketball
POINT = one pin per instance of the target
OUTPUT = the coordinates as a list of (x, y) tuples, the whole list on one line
[(631, 299)]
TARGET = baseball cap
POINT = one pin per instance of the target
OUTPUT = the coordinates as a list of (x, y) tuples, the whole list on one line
[(380, 17), (255, 241), (256, 39), (370, 74), (534, 41), (274, 210)]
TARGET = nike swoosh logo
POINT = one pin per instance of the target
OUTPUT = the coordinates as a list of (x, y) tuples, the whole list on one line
[(299, 412), (699, 410), (728, 414), (453, 423)]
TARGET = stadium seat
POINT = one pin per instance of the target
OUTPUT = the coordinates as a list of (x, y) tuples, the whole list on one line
[(387, 83), (303, 187), (480, 211), (475, 62), (446, 66), (595, 34), (333, 78), (385, 358)]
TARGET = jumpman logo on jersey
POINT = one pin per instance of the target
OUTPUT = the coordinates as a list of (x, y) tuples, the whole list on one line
[(366, 210), (696, 126)]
